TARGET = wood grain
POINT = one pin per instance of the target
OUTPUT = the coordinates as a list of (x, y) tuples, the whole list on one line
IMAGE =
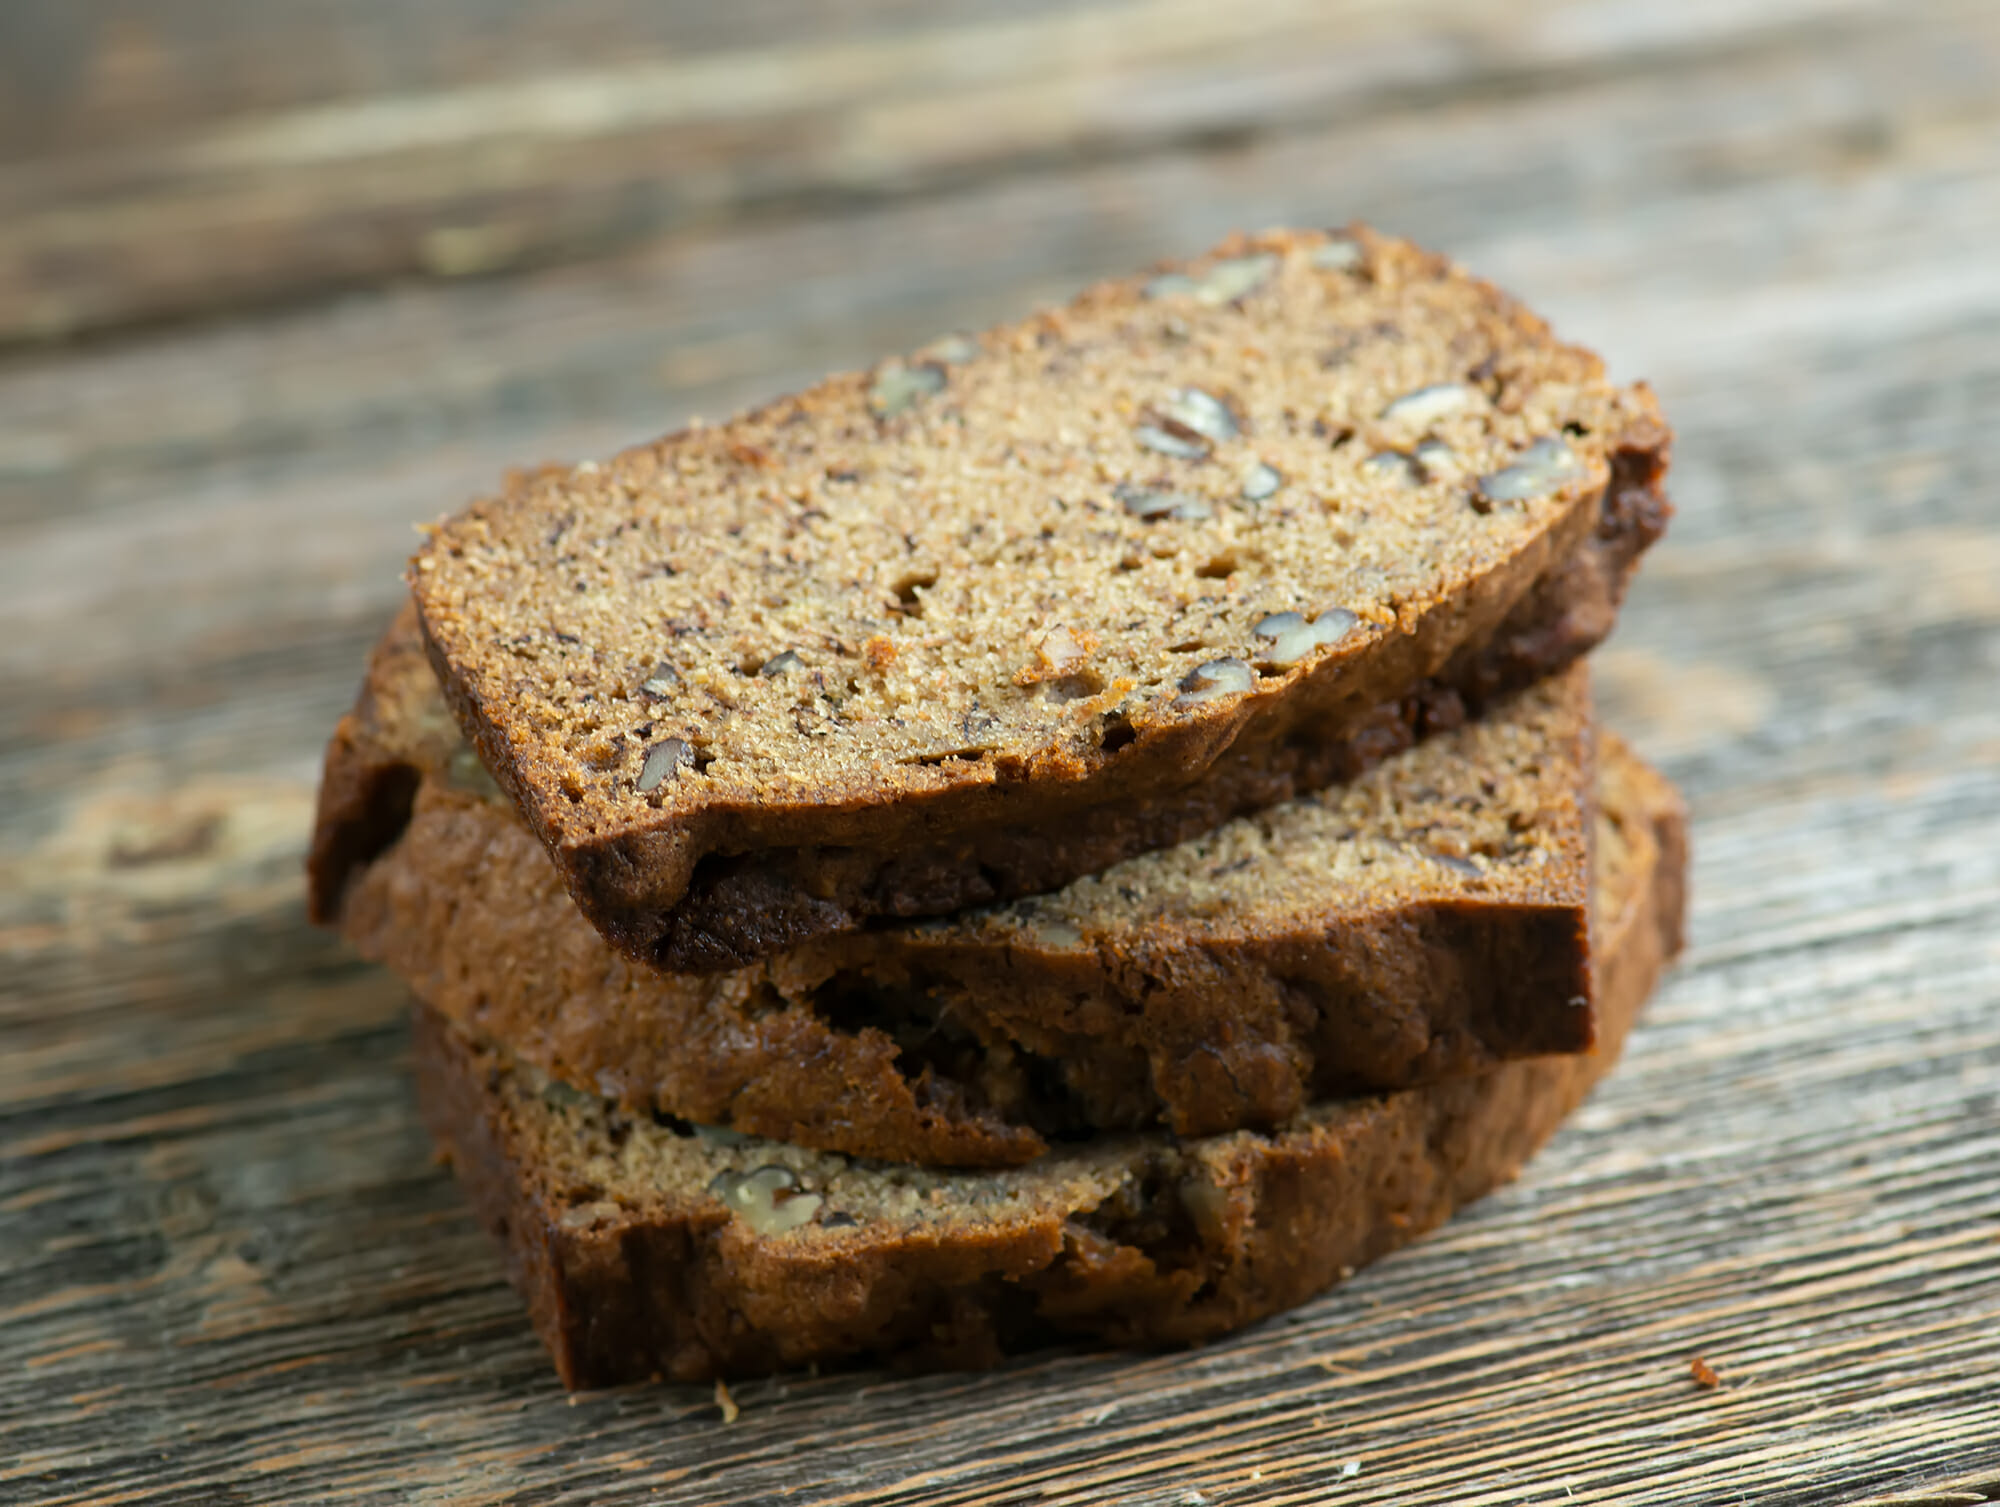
[(229, 1271), (194, 154)]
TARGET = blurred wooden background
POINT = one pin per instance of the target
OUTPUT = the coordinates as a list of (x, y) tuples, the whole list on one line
[(278, 280), (165, 158)]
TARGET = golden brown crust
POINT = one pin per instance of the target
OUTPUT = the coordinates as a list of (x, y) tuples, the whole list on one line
[(631, 1267), (374, 763), (857, 784)]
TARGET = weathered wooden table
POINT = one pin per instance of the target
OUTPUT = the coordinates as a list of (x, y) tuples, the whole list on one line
[(229, 1270)]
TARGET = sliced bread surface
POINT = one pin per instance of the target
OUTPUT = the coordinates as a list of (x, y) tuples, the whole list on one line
[(1425, 921), (946, 632), (656, 1249)]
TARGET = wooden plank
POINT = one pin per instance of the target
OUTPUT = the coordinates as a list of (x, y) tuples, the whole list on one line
[(204, 153), (252, 1271), (228, 1270), (89, 74), (432, 391)]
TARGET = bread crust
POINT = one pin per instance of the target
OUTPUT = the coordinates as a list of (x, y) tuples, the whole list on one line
[(1137, 1240)]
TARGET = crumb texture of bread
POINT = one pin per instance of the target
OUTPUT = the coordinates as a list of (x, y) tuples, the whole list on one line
[(1012, 578), (1425, 921), (648, 1248)]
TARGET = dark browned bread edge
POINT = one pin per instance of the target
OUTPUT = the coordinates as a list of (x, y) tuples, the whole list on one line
[(685, 1292)]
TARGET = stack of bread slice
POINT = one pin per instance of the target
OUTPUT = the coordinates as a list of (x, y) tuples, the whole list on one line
[(1092, 829)]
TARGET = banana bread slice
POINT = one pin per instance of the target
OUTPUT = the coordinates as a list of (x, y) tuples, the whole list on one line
[(1016, 606), (1425, 921), (660, 1249)]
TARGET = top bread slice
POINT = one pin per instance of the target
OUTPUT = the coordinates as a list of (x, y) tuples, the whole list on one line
[(948, 631)]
